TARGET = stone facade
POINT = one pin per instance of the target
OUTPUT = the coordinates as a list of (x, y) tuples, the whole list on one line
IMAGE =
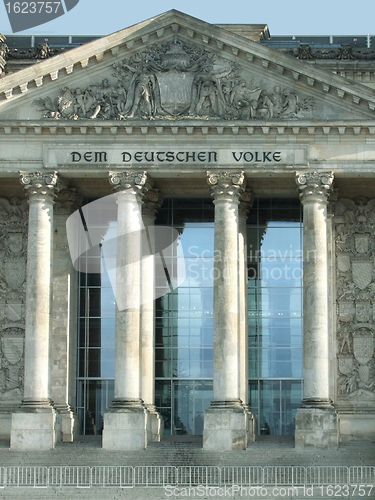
[(159, 110)]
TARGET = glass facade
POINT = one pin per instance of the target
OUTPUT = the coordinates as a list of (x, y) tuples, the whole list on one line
[(184, 323), (96, 336), (274, 237)]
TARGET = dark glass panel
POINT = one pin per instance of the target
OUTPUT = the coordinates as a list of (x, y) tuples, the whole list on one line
[(94, 332), (93, 362), (93, 279)]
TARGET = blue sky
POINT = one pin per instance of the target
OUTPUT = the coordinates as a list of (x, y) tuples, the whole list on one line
[(329, 17)]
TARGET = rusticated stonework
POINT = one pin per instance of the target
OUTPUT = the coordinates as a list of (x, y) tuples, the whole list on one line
[(355, 283), (174, 80), (13, 249)]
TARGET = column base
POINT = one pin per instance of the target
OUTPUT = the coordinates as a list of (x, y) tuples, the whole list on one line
[(225, 426), (35, 427), (125, 426), (69, 422), (155, 424), (251, 424), (316, 427)]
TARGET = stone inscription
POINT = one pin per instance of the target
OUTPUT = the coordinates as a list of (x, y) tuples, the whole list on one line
[(176, 156)]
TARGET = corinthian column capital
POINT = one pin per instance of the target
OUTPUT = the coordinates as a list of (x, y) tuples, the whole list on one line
[(41, 186), (226, 186), (125, 180), (314, 186)]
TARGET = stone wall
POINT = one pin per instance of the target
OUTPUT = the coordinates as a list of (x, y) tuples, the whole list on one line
[(13, 250)]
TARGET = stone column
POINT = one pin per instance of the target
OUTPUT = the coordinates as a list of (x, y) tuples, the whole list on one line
[(246, 203), (151, 203), (316, 420), (34, 426), (225, 424), (125, 422), (64, 318)]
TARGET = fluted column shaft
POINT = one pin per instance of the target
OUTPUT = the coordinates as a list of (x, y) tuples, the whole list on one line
[(41, 188), (226, 189), (226, 421), (314, 191), (130, 189)]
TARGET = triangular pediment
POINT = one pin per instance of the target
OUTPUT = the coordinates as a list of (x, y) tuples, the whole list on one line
[(174, 66)]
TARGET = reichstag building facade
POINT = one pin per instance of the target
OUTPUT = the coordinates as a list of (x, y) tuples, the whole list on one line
[(245, 164)]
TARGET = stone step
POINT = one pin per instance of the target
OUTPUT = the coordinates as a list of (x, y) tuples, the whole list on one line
[(171, 452), (151, 493)]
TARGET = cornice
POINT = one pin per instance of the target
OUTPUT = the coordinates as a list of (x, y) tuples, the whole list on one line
[(158, 128)]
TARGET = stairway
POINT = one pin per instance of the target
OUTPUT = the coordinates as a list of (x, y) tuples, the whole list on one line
[(194, 466)]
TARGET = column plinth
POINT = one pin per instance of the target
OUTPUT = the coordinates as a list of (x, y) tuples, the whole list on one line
[(34, 426), (226, 420), (125, 422), (316, 420)]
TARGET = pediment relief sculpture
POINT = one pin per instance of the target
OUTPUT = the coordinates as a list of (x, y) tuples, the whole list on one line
[(177, 80)]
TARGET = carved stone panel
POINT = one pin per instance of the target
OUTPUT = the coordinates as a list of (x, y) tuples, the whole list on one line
[(12, 363), (13, 248), (355, 285), (177, 79)]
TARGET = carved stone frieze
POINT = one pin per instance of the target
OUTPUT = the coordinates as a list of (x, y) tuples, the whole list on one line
[(152, 201), (355, 284), (345, 52), (13, 254), (67, 202), (12, 362), (173, 80), (13, 246), (42, 51), (4, 50), (246, 202)]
